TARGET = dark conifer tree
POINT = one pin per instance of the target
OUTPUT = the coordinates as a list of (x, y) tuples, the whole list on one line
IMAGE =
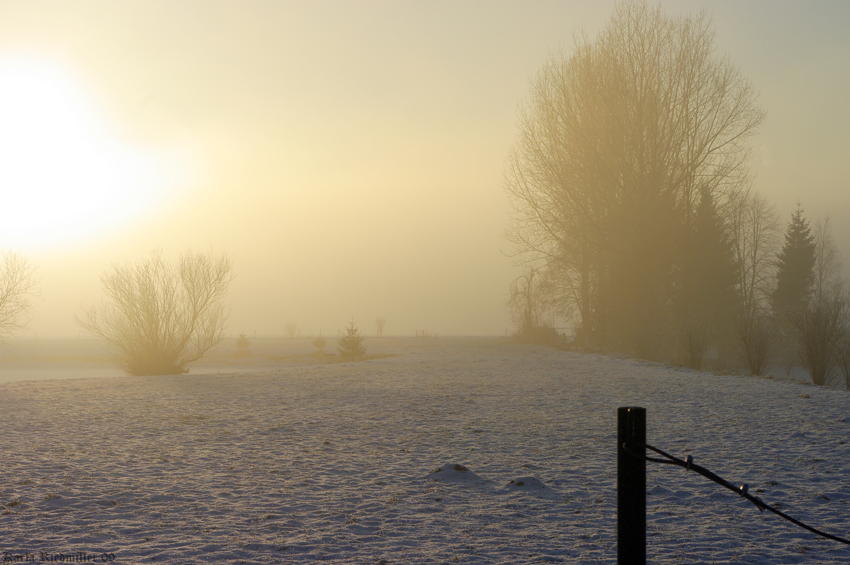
[(715, 269), (795, 267), (707, 287)]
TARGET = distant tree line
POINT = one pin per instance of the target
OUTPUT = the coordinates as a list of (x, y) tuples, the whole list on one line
[(635, 216)]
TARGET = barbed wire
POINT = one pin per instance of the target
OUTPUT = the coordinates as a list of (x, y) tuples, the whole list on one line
[(689, 465)]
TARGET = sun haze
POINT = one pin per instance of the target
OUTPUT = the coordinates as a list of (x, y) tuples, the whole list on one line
[(348, 156), (65, 179)]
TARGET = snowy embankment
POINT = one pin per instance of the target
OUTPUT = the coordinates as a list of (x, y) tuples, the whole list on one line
[(339, 462)]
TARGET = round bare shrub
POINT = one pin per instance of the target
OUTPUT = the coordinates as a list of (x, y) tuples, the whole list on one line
[(158, 317)]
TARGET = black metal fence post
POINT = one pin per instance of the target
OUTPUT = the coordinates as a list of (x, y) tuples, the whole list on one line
[(631, 486)]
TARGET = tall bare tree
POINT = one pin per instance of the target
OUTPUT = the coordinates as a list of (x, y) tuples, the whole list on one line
[(18, 284), (755, 234), (158, 317), (616, 142), (821, 324), (827, 284)]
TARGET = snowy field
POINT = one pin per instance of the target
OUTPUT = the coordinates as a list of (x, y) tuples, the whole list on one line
[(296, 462)]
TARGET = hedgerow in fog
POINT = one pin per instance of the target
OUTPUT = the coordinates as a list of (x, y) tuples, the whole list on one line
[(159, 317)]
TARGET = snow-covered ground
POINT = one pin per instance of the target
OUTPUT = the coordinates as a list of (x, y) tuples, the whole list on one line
[(296, 462)]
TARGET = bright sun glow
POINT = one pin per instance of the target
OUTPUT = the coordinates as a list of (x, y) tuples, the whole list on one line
[(64, 178)]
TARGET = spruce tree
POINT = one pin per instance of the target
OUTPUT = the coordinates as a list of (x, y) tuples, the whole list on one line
[(242, 342), (795, 267), (715, 271), (350, 346), (707, 282)]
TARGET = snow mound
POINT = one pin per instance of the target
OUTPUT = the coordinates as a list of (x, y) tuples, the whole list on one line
[(531, 486), (659, 491), (453, 472), (526, 484)]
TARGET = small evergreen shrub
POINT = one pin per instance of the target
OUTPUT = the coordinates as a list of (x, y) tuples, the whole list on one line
[(350, 345), (242, 342), (320, 343), (242, 346)]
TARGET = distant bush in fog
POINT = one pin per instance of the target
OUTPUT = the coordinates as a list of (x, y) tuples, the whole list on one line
[(756, 336), (159, 317), (542, 335)]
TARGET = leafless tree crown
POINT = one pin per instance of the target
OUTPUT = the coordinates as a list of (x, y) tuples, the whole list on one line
[(18, 284), (617, 142), (158, 317), (380, 322), (292, 330)]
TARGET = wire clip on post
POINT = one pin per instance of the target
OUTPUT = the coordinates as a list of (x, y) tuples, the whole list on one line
[(631, 486)]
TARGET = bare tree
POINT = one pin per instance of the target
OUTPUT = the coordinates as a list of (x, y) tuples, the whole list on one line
[(616, 143), (530, 304), (756, 338), (292, 330), (819, 332), (380, 322), (526, 302), (158, 317), (842, 350), (827, 270), (18, 284), (821, 325), (755, 235)]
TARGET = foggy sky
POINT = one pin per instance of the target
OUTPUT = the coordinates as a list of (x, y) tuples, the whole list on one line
[(348, 155)]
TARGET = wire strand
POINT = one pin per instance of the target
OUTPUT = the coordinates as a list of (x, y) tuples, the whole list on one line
[(741, 491)]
